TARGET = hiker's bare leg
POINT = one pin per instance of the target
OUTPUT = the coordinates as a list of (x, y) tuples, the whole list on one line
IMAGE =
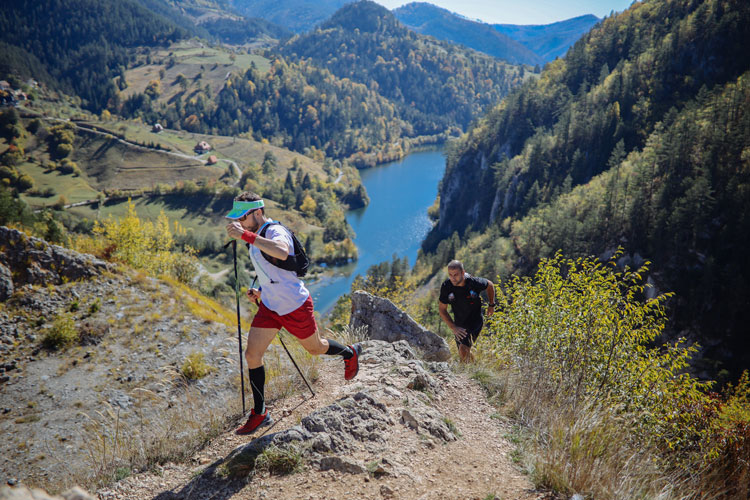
[(465, 354), (257, 342), (315, 344)]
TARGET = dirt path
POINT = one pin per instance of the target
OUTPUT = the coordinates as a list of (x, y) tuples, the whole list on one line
[(475, 466)]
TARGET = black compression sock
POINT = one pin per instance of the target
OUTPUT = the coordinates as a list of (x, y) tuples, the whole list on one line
[(336, 349), (257, 381)]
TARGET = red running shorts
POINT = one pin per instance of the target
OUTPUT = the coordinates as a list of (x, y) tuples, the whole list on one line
[(300, 322)]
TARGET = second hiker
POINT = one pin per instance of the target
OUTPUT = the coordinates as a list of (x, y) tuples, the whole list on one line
[(282, 298), (461, 291)]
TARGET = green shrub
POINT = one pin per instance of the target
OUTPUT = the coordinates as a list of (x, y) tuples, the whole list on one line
[(279, 461), (195, 366), (577, 345), (95, 306), (63, 332), (25, 183)]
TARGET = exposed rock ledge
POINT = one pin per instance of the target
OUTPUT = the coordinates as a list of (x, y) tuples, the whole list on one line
[(28, 260), (396, 388), (393, 404)]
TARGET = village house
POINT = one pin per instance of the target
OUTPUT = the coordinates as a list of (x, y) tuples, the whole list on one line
[(202, 147)]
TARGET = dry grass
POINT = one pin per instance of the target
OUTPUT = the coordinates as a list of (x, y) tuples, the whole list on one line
[(586, 449), (195, 366), (114, 447), (348, 335), (204, 307)]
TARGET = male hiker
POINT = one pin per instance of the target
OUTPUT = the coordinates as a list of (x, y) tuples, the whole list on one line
[(461, 291), (282, 298)]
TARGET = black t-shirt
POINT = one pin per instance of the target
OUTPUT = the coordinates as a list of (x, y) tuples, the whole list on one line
[(465, 301)]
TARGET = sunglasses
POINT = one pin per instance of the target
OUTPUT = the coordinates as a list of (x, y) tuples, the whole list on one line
[(242, 219)]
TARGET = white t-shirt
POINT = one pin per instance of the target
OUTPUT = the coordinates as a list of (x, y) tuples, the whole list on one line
[(283, 292)]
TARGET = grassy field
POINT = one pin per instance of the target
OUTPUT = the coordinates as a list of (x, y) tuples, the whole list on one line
[(241, 150), (108, 163), (74, 189), (201, 64), (111, 164)]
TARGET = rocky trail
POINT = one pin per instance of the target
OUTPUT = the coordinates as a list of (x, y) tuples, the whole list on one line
[(403, 428), (409, 426)]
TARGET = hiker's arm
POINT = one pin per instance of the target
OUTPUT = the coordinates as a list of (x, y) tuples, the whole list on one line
[(459, 332), (274, 248), (490, 298)]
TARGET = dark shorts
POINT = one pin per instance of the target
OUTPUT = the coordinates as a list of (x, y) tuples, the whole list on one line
[(300, 322), (473, 333)]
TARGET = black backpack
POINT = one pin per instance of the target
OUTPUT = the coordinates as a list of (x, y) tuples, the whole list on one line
[(299, 262)]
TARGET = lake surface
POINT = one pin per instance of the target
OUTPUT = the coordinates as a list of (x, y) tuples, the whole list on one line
[(395, 221)]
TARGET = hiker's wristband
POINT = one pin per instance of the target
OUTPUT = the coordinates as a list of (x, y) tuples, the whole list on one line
[(249, 236)]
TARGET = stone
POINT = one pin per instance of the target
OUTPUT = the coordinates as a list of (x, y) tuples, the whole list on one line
[(340, 465), (385, 321), (408, 419), (344, 427), (6, 283)]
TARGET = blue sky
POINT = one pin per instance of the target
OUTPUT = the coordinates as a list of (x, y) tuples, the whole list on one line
[(522, 11)]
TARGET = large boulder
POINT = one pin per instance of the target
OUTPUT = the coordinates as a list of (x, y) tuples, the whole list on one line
[(385, 321)]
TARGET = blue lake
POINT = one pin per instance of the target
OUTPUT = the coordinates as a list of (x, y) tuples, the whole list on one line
[(395, 221)]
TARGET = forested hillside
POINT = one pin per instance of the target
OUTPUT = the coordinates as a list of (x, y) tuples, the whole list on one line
[(83, 43), (434, 84), (428, 19), (638, 138), (215, 19)]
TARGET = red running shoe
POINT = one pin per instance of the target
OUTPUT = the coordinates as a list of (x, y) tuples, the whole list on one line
[(255, 421), (351, 365)]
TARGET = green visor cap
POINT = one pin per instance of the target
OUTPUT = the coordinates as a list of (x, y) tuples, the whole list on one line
[(240, 208)]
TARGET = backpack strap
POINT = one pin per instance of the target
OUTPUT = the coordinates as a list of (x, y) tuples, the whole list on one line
[(288, 264)]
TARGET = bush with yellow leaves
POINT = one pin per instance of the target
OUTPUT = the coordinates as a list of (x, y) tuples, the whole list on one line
[(140, 244), (577, 343)]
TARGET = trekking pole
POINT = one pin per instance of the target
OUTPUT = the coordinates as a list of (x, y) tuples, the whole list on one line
[(295, 364), (239, 325), (287, 350)]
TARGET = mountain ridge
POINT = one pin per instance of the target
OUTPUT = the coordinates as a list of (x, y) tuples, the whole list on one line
[(428, 19), (552, 40)]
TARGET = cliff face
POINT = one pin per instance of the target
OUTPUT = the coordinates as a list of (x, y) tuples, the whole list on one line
[(467, 197)]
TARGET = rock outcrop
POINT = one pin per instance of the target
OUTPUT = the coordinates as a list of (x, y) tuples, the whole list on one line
[(393, 404), (397, 388), (28, 260), (385, 321)]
